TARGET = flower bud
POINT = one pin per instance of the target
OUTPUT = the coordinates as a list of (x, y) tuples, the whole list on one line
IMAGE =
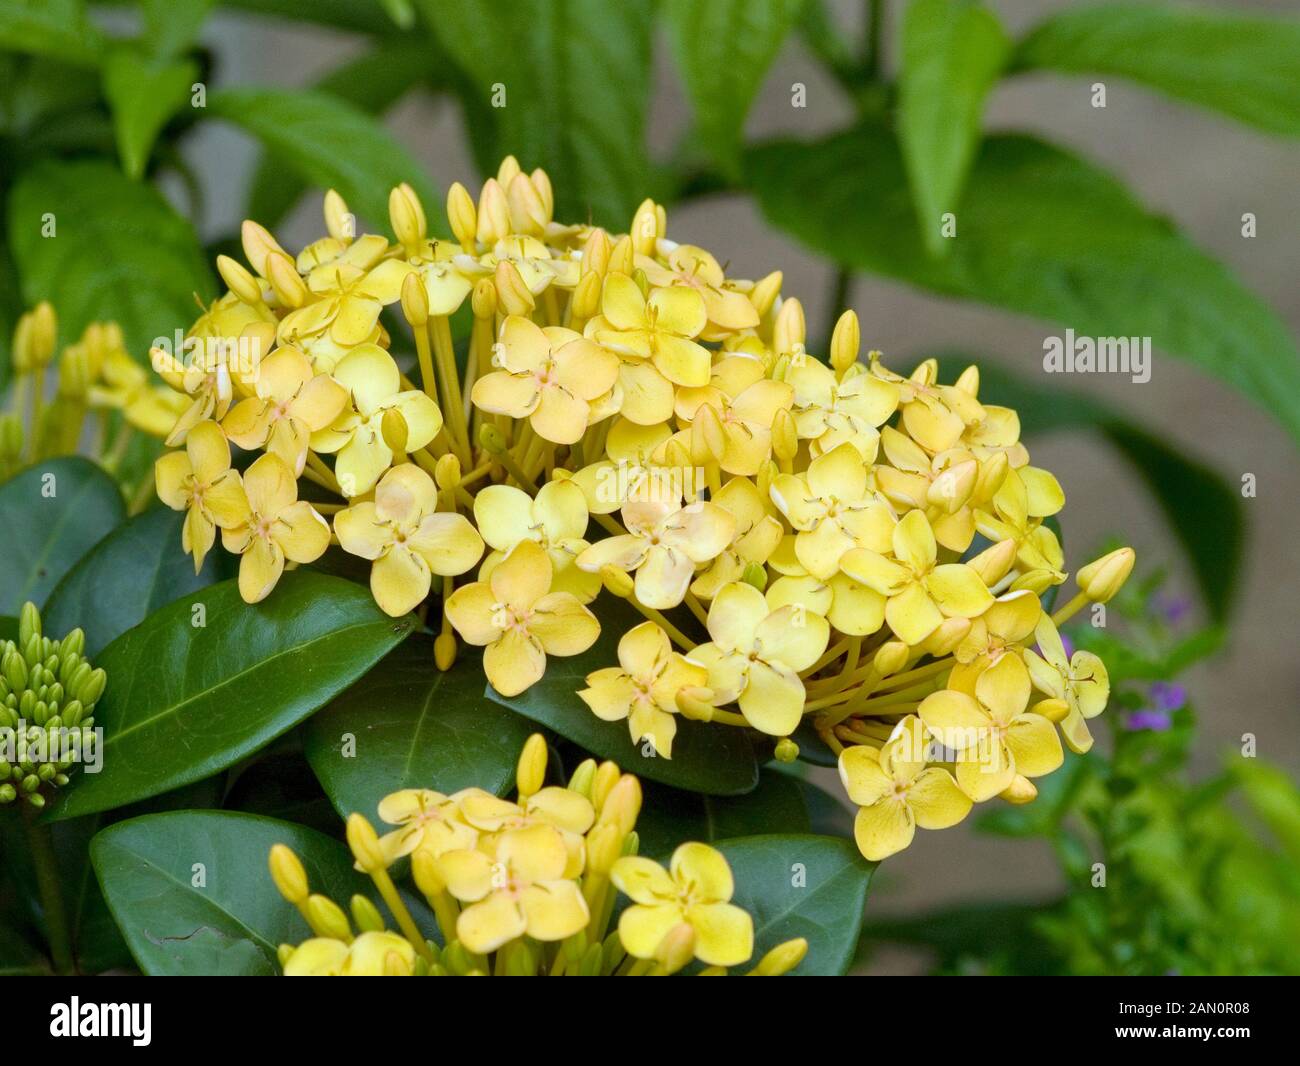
[(339, 222), (444, 651), (969, 381), (891, 657), (595, 253), (781, 959), (582, 778), (677, 947), (365, 844), (326, 918), (530, 774), (604, 847), (846, 340), (484, 300), (616, 581), (755, 574), (765, 291), (462, 215), (695, 706), (622, 804), (493, 213), (424, 871), (994, 562), (446, 472), (607, 775), (415, 301), (621, 258), (92, 688), (786, 750), (35, 338), (29, 623), (1052, 710), (258, 244), (513, 295), (491, 438), (407, 217), (1036, 581), (365, 915), (1104, 577), (1021, 790), (645, 228), (528, 213), (239, 280), (785, 436), (708, 438), (945, 638), (586, 297), (288, 874), (790, 329), (395, 431)]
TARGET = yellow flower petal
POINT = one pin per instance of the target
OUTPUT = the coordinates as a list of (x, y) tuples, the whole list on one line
[(936, 801), (642, 928), (773, 699), (883, 829), (563, 625), (399, 580), (724, 934)]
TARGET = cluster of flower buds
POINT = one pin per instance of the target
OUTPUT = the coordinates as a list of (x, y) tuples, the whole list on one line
[(526, 889), (96, 373), (48, 693)]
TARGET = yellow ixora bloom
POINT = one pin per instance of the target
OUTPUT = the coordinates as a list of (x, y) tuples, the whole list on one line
[(695, 891), (549, 376), (830, 412), (756, 655), (757, 535), (1081, 680), (277, 526), (556, 519), (291, 404), (664, 543), (371, 376), (372, 954), (520, 620), (200, 482), (408, 540), (643, 687), (352, 283), (693, 267), (426, 820), (921, 593), (896, 791), (521, 891), (994, 734)]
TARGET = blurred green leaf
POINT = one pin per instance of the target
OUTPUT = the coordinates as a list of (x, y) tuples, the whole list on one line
[(118, 251), (366, 16), (723, 49), (374, 81), (1040, 232), (1243, 65), (143, 96), (332, 144), (51, 514), (59, 29), (170, 26), (953, 52), (569, 86), (1203, 511), (800, 885)]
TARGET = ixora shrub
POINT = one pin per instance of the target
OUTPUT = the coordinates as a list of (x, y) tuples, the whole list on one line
[(603, 488)]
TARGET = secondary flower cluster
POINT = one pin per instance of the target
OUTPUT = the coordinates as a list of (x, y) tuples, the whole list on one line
[(48, 693), (526, 888), (808, 541)]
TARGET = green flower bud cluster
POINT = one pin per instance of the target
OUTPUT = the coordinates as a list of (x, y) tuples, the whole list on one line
[(48, 693)]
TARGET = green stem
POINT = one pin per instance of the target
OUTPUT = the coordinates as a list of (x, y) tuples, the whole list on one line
[(41, 848)]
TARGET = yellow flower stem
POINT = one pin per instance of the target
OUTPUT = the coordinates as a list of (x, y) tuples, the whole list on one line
[(676, 634), (38, 405), (516, 471), (854, 653), (424, 354), (328, 508), (446, 912), (448, 586), (828, 738), (445, 356), (316, 479), (832, 653), (608, 524), (479, 471), (405, 922), (1070, 609), (595, 887), (144, 493), (929, 670), (729, 718), (845, 708), (328, 479), (18, 397), (697, 608), (551, 307)]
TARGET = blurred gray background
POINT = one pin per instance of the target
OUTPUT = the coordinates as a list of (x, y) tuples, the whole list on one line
[(1199, 169)]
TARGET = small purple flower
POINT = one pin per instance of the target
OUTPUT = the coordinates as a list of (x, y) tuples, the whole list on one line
[(1154, 720), (1173, 609), (1168, 696), (1068, 645)]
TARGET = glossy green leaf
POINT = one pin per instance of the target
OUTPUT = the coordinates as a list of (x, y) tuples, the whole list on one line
[(51, 514), (118, 251), (1204, 513), (143, 95), (1043, 233), (706, 758), (185, 700), (58, 29), (230, 925), (408, 724), (332, 144), (952, 54), (576, 83), (802, 886), (723, 49), (128, 575), (1243, 65), (670, 816), (373, 82)]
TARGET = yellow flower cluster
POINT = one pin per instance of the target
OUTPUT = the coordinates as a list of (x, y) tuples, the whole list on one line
[(625, 416), (526, 888)]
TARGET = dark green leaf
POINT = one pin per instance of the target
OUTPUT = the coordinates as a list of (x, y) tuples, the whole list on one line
[(143, 95), (119, 252), (953, 52), (51, 514), (18, 957), (1242, 65), (670, 816), (332, 144), (232, 923), (1204, 513), (184, 701), (413, 726), (281, 785), (1043, 233), (374, 81), (129, 574), (576, 79), (718, 760), (802, 886), (59, 29), (723, 49)]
